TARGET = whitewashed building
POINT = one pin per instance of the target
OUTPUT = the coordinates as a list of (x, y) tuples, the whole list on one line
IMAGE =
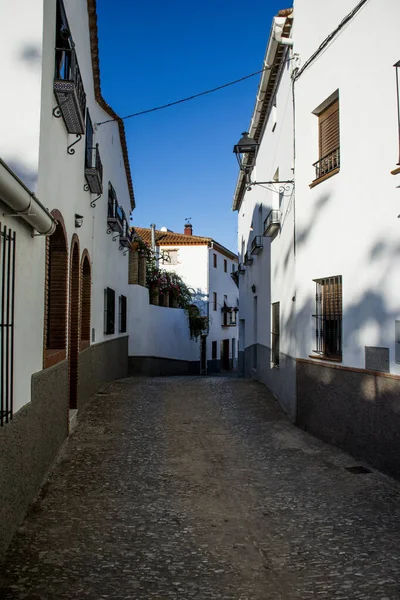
[(206, 267), (65, 199), (266, 228), (334, 272)]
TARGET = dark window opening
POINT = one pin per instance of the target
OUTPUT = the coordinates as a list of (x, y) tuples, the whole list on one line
[(225, 265), (328, 317), (214, 300), (109, 311), (215, 260), (122, 314), (275, 334), (7, 297), (214, 350), (86, 300)]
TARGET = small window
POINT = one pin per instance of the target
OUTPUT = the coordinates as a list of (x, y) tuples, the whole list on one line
[(225, 265), (329, 140), (328, 317), (214, 350), (89, 141), (275, 334), (122, 314), (233, 267), (109, 311), (170, 257), (215, 260), (214, 300)]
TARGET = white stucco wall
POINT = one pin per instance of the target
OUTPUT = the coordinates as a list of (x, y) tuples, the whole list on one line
[(20, 68), (192, 266), (61, 177), (221, 283), (348, 225), (272, 271), (158, 331)]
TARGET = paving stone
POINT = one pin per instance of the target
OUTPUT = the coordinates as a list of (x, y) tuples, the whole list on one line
[(201, 488)]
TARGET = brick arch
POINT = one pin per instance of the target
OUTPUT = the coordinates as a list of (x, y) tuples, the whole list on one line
[(74, 320), (55, 297), (86, 295)]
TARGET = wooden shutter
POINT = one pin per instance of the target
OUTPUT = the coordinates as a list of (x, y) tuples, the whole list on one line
[(329, 139)]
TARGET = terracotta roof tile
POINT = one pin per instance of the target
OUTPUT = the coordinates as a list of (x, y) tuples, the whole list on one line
[(170, 238), (94, 48)]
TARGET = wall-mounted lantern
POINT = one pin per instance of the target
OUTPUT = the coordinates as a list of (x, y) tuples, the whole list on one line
[(246, 145)]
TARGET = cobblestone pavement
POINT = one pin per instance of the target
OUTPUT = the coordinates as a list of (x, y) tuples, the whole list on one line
[(201, 488)]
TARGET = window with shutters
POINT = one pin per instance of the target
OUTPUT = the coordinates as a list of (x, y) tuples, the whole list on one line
[(275, 334), (328, 140), (109, 311), (328, 317)]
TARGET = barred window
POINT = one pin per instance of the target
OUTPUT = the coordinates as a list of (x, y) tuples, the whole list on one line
[(328, 317)]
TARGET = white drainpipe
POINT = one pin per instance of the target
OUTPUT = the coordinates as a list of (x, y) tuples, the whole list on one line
[(24, 202)]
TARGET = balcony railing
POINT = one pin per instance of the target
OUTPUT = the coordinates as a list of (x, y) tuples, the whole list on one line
[(328, 163), (69, 91), (126, 237), (247, 259), (94, 170), (256, 245), (272, 223), (115, 213)]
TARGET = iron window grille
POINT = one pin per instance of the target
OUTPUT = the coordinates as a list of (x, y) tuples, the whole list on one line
[(328, 317), (256, 245), (114, 213), (397, 67), (126, 236), (93, 164), (68, 85), (7, 299), (275, 334), (109, 311), (272, 223), (122, 314), (248, 259)]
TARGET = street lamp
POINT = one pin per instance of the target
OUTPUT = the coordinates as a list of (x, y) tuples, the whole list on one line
[(246, 145)]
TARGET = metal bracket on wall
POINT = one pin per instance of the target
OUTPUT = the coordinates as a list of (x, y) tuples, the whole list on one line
[(57, 112), (126, 250), (70, 149), (86, 187), (93, 202), (116, 237)]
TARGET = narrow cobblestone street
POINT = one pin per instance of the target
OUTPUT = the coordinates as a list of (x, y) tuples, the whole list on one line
[(201, 488)]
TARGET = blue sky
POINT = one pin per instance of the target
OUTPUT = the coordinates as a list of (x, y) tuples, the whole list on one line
[(155, 52)]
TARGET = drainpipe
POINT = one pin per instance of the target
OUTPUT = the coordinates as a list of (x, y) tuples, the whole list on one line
[(278, 29), (24, 202)]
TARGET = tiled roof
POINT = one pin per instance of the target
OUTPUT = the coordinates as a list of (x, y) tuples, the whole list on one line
[(170, 238), (94, 49)]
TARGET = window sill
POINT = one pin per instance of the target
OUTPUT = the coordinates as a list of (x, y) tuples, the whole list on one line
[(326, 358), (395, 171), (324, 177), (52, 357)]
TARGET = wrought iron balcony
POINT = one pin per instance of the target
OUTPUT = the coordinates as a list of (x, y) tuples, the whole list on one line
[(272, 223), (115, 213), (94, 170), (256, 245), (69, 91), (126, 237), (328, 163), (247, 259)]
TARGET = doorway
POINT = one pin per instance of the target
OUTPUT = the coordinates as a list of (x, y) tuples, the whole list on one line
[(225, 355), (73, 351)]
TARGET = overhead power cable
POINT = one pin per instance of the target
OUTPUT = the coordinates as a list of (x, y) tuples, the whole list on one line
[(220, 87)]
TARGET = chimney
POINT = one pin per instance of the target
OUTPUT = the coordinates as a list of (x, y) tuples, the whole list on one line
[(188, 229)]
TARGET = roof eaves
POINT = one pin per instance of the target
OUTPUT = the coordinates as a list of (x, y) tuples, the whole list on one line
[(94, 49), (265, 96)]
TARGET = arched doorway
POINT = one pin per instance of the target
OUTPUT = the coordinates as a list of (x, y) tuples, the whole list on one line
[(55, 318), (86, 278), (74, 322)]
